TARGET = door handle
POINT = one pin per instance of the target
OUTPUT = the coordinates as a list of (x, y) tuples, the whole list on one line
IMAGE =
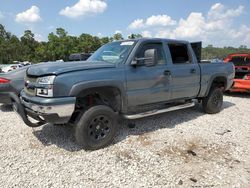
[(193, 71), (167, 73)]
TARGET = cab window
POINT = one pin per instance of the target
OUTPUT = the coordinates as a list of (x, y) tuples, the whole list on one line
[(159, 49), (179, 53)]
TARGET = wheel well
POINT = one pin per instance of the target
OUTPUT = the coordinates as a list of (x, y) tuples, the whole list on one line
[(110, 96), (220, 82)]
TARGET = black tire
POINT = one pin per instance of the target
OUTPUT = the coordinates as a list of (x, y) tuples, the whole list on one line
[(212, 103), (96, 128)]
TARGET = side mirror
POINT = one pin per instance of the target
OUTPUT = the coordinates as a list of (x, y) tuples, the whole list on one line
[(150, 58)]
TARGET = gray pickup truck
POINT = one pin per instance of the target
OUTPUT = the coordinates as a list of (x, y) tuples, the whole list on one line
[(130, 79)]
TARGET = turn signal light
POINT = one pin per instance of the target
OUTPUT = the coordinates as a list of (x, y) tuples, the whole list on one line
[(4, 81)]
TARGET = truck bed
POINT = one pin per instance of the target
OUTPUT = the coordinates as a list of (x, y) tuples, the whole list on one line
[(216, 68)]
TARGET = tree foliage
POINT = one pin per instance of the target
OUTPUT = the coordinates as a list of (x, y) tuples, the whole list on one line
[(211, 52), (135, 36), (60, 45)]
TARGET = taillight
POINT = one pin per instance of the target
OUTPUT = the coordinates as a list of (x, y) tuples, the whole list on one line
[(4, 81), (247, 77)]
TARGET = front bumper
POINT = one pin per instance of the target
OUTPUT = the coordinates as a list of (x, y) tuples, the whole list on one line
[(50, 110), (5, 98), (5, 91), (240, 85)]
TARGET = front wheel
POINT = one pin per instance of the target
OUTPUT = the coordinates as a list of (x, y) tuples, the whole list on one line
[(213, 102), (96, 128)]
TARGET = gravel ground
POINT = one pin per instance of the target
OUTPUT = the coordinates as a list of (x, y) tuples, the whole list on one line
[(185, 148)]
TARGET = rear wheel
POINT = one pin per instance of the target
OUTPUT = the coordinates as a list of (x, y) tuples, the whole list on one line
[(96, 128), (213, 102)]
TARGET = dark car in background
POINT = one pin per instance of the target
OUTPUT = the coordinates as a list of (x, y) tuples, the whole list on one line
[(79, 56), (11, 83)]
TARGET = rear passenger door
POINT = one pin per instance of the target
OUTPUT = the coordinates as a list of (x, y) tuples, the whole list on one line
[(184, 70)]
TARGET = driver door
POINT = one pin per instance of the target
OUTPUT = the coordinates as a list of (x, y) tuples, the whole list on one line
[(147, 84)]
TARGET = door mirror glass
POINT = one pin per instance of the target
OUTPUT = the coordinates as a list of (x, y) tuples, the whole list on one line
[(149, 59)]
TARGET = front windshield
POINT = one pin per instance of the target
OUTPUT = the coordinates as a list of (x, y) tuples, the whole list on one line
[(114, 52)]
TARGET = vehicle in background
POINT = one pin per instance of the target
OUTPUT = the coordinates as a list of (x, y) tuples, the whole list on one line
[(130, 79), (211, 61), (242, 72), (11, 83), (25, 63), (10, 67), (60, 60), (79, 56)]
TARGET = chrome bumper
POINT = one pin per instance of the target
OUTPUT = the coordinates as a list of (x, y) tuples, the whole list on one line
[(61, 107), (63, 110)]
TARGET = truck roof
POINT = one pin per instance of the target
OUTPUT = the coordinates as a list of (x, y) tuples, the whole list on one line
[(196, 46), (152, 39)]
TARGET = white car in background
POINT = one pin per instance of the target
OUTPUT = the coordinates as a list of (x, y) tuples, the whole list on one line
[(8, 68), (11, 67)]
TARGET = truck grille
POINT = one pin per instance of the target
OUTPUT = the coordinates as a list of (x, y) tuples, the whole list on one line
[(30, 85)]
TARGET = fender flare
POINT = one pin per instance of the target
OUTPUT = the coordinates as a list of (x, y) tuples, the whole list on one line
[(213, 78), (85, 85)]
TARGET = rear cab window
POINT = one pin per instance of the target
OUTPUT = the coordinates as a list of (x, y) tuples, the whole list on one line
[(179, 53)]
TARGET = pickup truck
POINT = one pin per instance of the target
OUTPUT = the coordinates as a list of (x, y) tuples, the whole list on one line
[(129, 79)]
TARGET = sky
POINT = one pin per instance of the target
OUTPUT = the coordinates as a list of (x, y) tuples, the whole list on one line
[(217, 22)]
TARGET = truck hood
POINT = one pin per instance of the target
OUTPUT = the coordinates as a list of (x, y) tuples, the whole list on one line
[(56, 68)]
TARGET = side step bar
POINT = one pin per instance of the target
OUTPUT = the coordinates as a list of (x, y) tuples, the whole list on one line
[(154, 112)]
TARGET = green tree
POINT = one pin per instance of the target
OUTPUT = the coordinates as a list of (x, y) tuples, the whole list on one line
[(105, 40), (60, 45), (10, 47), (4, 35), (61, 33), (29, 45), (135, 36), (244, 47), (88, 43), (118, 36)]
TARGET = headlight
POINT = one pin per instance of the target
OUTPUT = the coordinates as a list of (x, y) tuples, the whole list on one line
[(46, 80), (45, 86)]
